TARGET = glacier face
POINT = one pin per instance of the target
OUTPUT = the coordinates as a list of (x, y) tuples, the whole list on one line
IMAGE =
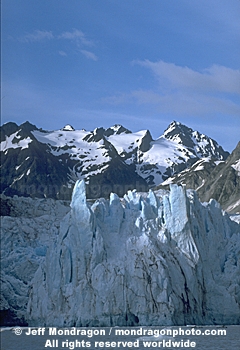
[(28, 228), (142, 260)]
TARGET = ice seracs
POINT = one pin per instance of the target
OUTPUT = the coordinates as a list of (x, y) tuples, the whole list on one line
[(141, 260), (28, 227)]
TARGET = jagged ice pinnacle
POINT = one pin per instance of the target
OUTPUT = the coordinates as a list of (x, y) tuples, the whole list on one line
[(159, 260)]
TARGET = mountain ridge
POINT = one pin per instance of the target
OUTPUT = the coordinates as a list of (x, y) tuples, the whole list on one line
[(40, 163), (213, 179)]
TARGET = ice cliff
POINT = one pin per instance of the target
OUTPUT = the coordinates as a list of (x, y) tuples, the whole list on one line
[(28, 227), (141, 260)]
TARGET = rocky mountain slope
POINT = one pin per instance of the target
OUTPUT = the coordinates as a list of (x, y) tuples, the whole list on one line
[(40, 163), (213, 179), (223, 184), (150, 259)]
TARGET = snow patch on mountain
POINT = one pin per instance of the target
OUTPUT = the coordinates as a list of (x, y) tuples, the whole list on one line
[(68, 127), (126, 142), (92, 157), (14, 141)]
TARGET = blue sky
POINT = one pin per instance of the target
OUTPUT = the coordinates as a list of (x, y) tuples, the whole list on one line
[(139, 63)]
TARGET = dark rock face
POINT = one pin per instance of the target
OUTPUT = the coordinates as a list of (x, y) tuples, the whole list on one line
[(146, 142), (117, 130), (47, 175), (223, 184), (217, 180), (118, 178), (95, 135), (194, 140), (8, 129)]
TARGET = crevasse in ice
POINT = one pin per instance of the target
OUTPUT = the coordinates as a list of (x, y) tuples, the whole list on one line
[(140, 260)]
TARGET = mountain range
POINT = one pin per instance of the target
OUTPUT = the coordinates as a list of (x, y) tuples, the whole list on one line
[(40, 163)]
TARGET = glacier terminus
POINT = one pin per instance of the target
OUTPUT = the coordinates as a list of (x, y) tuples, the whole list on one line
[(156, 258)]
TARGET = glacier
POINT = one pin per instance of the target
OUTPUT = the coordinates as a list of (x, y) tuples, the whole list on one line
[(28, 227), (145, 259)]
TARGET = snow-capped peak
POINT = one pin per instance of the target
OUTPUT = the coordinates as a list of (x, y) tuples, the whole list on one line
[(116, 127), (171, 126), (68, 127), (176, 128), (200, 144)]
